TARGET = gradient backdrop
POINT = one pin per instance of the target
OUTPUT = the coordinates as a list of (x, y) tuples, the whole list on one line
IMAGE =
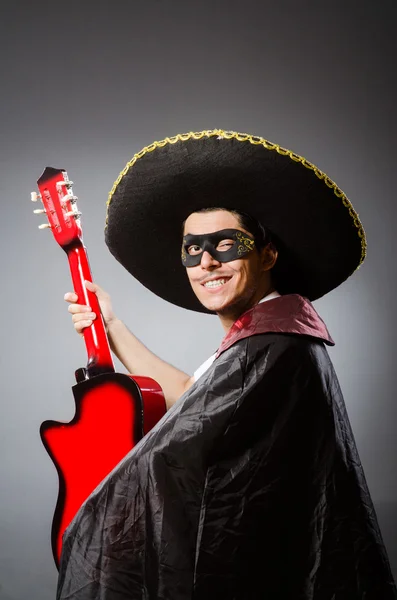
[(86, 84)]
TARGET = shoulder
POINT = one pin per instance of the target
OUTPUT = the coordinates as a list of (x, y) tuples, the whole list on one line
[(269, 356), (285, 342), (282, 351)]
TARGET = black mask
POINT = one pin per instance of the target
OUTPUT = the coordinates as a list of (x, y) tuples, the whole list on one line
[(211, 242)]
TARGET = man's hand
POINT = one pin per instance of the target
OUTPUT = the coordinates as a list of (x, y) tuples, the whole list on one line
[(82, 315), (137, 359)]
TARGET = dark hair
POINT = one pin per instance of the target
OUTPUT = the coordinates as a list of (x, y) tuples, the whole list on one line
[(261, 235)]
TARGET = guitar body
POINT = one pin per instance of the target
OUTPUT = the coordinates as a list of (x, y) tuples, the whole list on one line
[(113, 410), (109, 421)]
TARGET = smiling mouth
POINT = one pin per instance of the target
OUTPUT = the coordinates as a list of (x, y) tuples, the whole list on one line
[(215, 283)]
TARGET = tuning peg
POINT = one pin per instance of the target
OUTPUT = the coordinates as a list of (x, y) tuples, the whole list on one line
[(45, 226), (70, 198), (74, 214), (34, 196), (65, 183), (39, 211)]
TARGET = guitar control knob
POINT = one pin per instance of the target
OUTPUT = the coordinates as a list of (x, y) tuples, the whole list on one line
[(81, 374)]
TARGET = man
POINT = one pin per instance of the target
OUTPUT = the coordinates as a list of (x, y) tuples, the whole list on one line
[(250, 487), (246, 282)]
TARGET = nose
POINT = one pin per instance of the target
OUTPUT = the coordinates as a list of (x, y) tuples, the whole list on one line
[(208, 261)]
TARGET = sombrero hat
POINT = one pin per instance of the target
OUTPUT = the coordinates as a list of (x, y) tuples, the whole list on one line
[(319, 236)]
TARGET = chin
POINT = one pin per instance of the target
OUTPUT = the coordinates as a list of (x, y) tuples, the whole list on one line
[(212, 306), (217, 305)]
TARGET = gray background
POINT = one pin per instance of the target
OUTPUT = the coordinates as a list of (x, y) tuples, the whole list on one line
[(87, 84)]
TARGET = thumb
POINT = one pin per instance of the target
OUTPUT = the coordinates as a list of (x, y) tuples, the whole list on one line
[(92, 287)]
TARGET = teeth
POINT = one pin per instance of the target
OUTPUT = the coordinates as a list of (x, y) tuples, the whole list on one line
[(215, 283)]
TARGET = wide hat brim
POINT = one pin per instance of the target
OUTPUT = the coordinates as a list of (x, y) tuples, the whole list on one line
[(320, 238)]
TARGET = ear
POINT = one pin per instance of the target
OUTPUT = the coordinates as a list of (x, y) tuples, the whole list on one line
[(268, 256)]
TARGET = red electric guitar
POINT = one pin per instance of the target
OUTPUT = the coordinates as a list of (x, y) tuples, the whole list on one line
[(113, 410)]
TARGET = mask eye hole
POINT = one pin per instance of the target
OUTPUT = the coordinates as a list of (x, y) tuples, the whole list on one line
[(193, 250), (225, 245)]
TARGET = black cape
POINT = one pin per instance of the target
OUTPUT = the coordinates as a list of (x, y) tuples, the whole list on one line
[(249, 488)]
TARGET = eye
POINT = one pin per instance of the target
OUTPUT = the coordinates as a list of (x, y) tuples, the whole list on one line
[(225, 245), (193, 250)]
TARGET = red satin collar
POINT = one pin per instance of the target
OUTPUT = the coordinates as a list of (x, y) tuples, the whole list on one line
[(287, 314)]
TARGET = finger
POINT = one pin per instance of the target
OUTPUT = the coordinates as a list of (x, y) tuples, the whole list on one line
[(82, 325), (83, 317), (79, 308), (70, 297)]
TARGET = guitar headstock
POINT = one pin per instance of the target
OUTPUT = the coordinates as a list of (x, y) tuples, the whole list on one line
[(59, 205)]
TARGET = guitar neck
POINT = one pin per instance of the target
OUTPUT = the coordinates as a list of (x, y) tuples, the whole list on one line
[(96, 341), (64, 221)]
